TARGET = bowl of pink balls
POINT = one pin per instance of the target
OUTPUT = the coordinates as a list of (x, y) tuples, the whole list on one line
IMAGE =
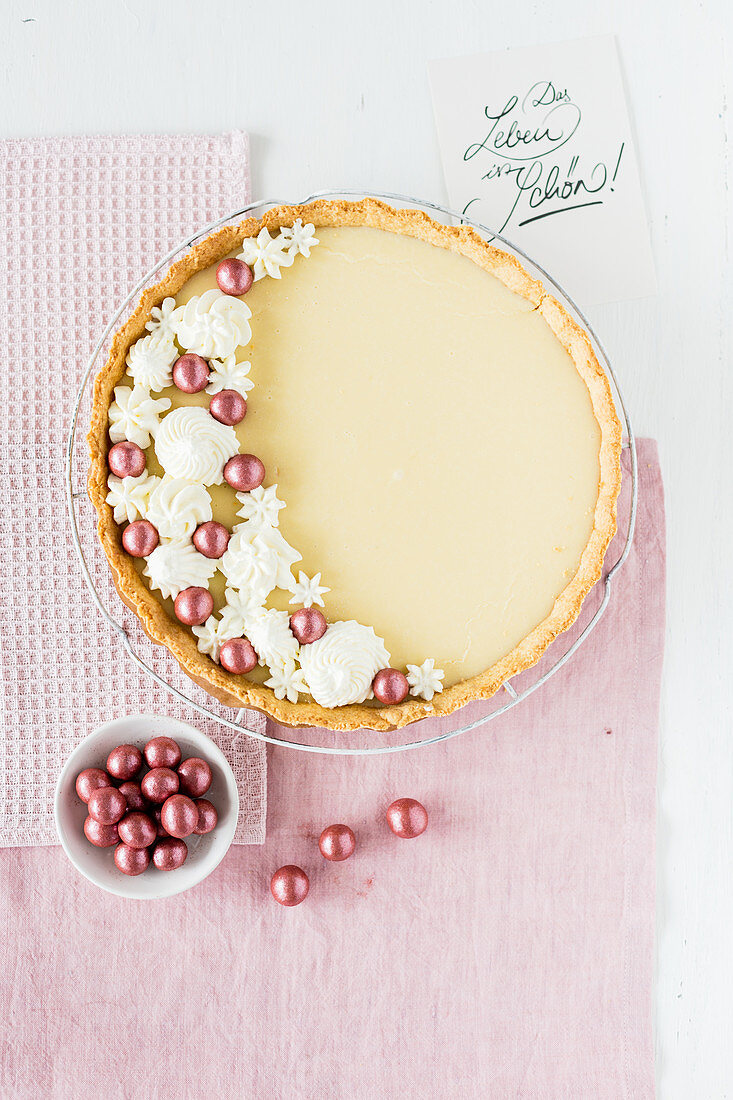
[(146, 806)]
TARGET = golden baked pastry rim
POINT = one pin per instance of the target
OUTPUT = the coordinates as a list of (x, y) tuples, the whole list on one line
[(237, 691)]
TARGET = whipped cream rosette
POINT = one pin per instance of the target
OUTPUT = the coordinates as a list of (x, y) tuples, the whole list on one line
[(176, 507), (174, 565), (340, 666), (213, 324), (191, 445), (150, 361)]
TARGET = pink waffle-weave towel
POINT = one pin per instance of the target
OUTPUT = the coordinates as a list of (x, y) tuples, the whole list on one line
[(83, 220)]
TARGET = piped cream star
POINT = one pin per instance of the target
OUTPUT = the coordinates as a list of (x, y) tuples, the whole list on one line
[(301, 238), (287, 682), (246, 604), (228, 374), (266, 254), (129, 497), (308, 590), (134, 415), (162, 326), (214, 632), (425, 679), (260, 506)]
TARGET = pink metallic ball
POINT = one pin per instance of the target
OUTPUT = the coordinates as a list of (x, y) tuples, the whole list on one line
[(407, 818), (211, 539), (159, 784), (208, 817), (308, 624), (238, 656), (193, 605), (234, 277), (140, 538), (228, 407), (124, 761), (179, 816), (194, 776), (126, 459), (289, 885), (170, 853), (91, 779), (101, 836), (137, 830), (133, 795), (390, 685), (131, 861), (106, 805), (244, 472), (162, 752), (191, 373), (337, 843)]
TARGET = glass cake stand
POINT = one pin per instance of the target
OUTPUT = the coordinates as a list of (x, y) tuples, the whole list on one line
[(162, 666)]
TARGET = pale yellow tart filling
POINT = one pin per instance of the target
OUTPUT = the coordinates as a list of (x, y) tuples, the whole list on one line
[(431, 437), (439, 451)]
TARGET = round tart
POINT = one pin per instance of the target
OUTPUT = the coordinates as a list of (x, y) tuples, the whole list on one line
[(369, 487)]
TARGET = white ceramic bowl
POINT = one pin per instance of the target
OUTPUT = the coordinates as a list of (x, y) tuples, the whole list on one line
[(97, 864)]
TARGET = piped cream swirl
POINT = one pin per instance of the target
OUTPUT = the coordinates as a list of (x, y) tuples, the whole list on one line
[(190, 444), (340, 666), (177, 507)]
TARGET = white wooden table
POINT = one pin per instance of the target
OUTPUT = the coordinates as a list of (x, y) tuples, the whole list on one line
[(336, 95)]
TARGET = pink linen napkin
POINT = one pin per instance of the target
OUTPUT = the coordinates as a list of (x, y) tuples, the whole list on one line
[(506, 953), (83, 219)]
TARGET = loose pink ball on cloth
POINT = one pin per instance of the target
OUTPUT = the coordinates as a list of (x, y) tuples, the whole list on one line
[(244, 472), (337, 843), (179, 816), (126, 459), (162, 752), (137, 830), (124, 761), (101, 836), (159, 784), (133, 795), (90, 780), (289, 885), (308, 624), (238, 656), (390, 686), (131, 861), (194, 776), (211, 539), (208, 817), (170, 853), (191, 373), (106, 805), (234, 277), (407, 818), (228, 407), (140, 538), (193, 605)]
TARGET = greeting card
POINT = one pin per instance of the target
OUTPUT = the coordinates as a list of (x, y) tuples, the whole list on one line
[(537, 145)]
